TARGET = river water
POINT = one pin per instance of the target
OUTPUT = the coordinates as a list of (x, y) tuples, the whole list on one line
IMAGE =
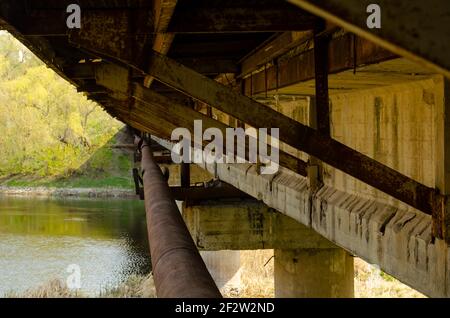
[(40, 238)]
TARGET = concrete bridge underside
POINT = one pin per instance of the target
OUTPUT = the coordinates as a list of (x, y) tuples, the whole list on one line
[(363, 117)]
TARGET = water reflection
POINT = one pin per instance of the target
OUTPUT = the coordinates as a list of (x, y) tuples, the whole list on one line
[(39, 238)]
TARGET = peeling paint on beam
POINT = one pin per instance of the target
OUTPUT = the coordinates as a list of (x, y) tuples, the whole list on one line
[(127, 43), (415, 29), (162, 13), (274, 48), (229, 20), (295, 134), (345, 53), (195, 194), (400, 241), (183, 116)]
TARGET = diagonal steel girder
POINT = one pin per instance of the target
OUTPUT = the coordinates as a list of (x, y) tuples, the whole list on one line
[(293, 133), (184, 116)]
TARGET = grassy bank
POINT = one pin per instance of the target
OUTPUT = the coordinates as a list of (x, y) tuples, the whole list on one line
[(106, 167), (96, 182), (256, 282), (133, 287)]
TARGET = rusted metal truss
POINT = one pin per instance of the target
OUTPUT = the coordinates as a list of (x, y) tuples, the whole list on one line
[(321, 43), (129, 41), (209, 191), (295, 134), (240, 19), (182, 116), (292, 132), (346, 52), (125, 37), (415, 29)]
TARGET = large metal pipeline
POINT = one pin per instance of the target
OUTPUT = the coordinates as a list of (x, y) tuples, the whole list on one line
[(178, 269)]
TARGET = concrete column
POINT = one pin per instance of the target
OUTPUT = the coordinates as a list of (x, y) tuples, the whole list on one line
[(308, 273)]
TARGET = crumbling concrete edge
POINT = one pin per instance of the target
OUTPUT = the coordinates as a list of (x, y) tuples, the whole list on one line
[(398, 240)]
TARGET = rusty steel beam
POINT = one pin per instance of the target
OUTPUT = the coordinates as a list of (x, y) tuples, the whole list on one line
[(322, 101), (164, 108), (51, 22), (85, 71), (91, 87), (203, 193), (205, 66), (241, 19), (346, 52), (295, 134), (185, 174), (162, 13), (160, 115), (178, 269), (130, 40), (271, 49), (415, 29), (80, 71)]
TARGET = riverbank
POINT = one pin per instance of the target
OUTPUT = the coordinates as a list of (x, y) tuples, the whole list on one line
[(106, 192), (256, 282), (134, 287)]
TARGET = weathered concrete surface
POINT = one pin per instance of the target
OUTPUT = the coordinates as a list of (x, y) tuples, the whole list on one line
[(398, 240), (314, 273), (247, 225), (387, 73), (396, 125)]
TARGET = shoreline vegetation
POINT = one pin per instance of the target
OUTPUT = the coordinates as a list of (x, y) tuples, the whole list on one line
[(53, 136), (105, 192), (256, 281)]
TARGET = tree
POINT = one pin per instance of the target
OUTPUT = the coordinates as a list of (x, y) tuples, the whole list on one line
[(46, 126)]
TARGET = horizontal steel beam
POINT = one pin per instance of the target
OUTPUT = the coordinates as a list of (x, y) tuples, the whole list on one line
[(295, 134), (54, 22), (241, 19), (194, 194), (164, 108), (415, 29), (270, 50), (345, 52)]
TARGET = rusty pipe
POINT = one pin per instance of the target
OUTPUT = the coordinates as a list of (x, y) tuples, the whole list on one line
[(178, 269)]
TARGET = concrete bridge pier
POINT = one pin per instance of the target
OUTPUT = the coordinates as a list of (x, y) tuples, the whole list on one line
[(224, 267), (313, 273), (306, 264)]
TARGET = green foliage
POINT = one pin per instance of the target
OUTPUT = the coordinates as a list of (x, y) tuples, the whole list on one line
[(386, 277), (101, 161), (124, 163), (47, 128)]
